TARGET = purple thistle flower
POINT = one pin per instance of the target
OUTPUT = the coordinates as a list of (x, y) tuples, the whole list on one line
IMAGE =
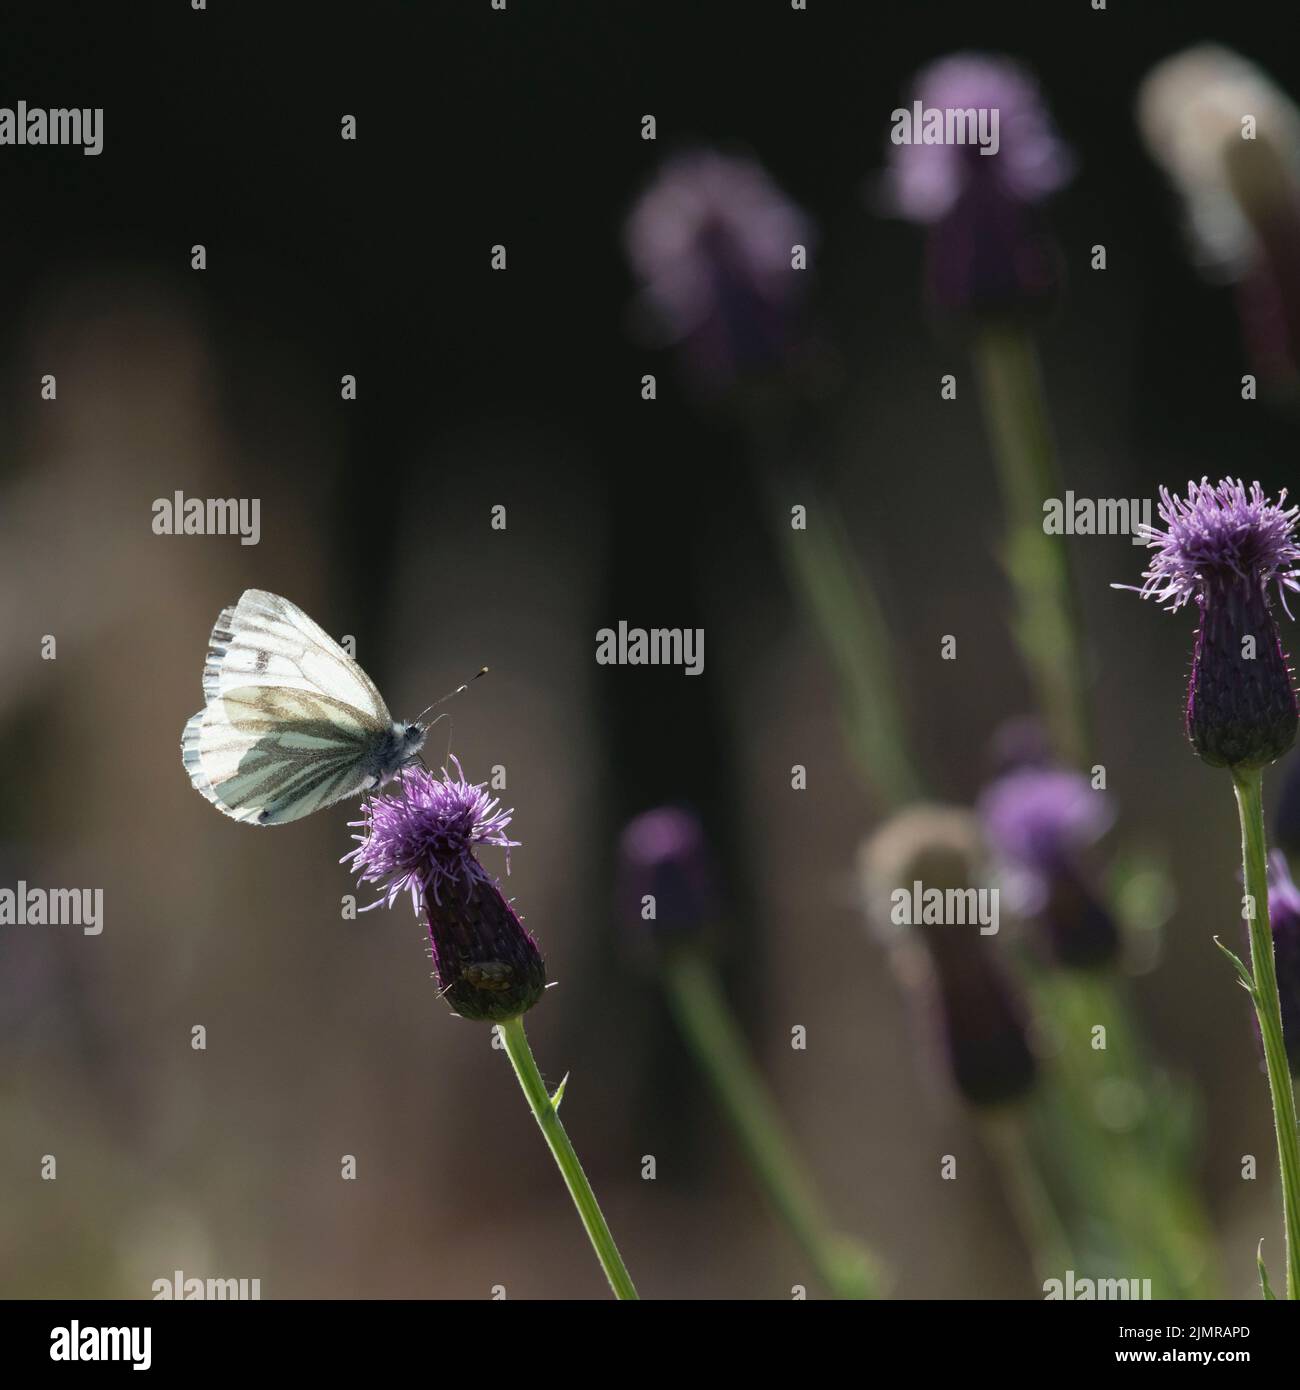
[(421, 840), (1038, 821), (1224, 547), (711, 241), (663, 856), (988, 250)]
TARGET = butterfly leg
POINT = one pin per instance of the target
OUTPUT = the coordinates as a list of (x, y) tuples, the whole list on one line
[(372, 795)]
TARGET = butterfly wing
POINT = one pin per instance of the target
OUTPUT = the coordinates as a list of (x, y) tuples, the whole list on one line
[(266, 640), (291, 722)]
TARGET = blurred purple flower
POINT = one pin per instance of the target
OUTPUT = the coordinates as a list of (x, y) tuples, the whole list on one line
[(1038, 821), (421, 840), (1224, 547), (663, 855), (988, 250), (711, 241)]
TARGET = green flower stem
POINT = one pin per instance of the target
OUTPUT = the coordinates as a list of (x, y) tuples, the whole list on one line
[(1040, 1224), (1268, 1006), (844, 610), (1048, 627), (544, 1112), (1134, 1177), (715, 1038)]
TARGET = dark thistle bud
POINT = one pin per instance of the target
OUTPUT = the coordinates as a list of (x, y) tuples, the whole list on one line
[(420, 840), (666, 879), (988, 249), (985, 1025), (1224, 547), (976, 1003), (1039, 821)]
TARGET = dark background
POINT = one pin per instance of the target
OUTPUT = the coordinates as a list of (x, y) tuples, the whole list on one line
[(523, 388)]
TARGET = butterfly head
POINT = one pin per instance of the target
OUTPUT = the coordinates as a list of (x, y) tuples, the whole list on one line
[(410, 738)]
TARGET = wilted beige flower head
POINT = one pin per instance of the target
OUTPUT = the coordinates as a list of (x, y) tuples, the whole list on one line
[(1229, 139)]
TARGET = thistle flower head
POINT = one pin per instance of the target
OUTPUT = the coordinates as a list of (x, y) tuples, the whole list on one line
[(1225, 547), (1038, 818), (420, 840), (1190, 108), (1038, 821), (988, 251), (928, 180), (711, 241), (1220, 534), (665, 869)]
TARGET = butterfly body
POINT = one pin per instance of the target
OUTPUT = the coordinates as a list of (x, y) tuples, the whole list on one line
[(290, 722)]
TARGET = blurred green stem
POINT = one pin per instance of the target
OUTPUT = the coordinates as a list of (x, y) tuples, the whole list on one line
[(1268, 1007), (1048, 627), (1022, 1180), (841, 604), (539, 1101), (715, 1038), (1128, 1170)]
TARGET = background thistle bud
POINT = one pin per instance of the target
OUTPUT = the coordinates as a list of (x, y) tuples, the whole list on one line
[(961, 976), (420, 840), (665, 870), (1224, 547), (985, 1025)]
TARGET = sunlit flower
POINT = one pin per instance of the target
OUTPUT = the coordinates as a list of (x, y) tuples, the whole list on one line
[(1225, 547), (420, 840)]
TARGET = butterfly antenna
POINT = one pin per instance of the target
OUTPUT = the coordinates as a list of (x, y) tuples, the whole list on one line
[(482, 671)]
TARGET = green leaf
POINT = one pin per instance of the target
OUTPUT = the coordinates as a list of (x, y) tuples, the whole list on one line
[(559, 1092), (1263, 1274), (1247, 983)]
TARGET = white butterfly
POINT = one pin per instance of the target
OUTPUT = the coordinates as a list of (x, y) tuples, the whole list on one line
[(291, 723)]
